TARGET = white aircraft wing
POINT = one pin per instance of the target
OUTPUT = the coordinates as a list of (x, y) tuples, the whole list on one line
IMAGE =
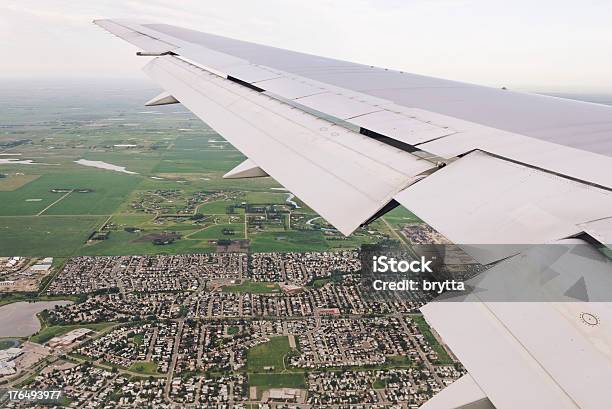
[(495, 171), (537, 332), (350, 140)]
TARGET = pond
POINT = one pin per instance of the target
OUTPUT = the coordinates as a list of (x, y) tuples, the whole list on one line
[(103, 165), (12, 161), (19, 319)]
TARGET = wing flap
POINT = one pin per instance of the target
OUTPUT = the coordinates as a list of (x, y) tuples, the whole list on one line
[(464, 393), (563, 160), (290, 88), (483, 200), (543, 354), (485, 346), (400, 127), (600, 230)]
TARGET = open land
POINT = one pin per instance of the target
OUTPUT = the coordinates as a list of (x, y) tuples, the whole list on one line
[(98, 174)]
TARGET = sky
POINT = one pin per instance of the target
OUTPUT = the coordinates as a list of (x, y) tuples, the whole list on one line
[(542, 45)]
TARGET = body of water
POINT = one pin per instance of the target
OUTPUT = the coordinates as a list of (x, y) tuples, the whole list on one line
[(290, 197), (103, 165), (19, 319), (11, 161)]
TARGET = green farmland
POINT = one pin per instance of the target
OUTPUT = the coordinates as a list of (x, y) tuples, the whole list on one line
[(160, 189), (45, 235)]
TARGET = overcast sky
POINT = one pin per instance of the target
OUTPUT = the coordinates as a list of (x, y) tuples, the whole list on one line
[(536, 44)]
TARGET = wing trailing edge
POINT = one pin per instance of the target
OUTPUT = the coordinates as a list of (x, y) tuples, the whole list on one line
[(246, 169), (162, 99), (464, 393)]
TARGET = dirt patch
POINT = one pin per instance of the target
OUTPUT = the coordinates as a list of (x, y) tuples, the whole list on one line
[(230, 246), (32, 353), (14, 181)]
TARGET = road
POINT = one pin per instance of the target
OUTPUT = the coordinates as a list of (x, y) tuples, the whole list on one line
[(51, 205)]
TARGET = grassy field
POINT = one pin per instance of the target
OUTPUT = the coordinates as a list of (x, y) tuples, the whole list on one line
[(320, 282), (46, 333), (14, 181), (45, 235), (397, 361), (277, 380), (443, 358), (138, 339), (251, 287), (29, 199), (198, 156), (9, 298), (169, 149), (124, 243), (144, 367), (288, 241), (379, 384), (400, 215), (267, 197), (108, 190), (268, 354), (6, 344), (218, 207), (217, 232)]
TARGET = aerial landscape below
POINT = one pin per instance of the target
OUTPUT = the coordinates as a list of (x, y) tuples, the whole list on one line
[(99, 174), (128, 263), (305, 205)]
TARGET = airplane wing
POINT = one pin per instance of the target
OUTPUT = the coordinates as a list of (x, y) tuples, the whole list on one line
[(536, 333), (495, 171)]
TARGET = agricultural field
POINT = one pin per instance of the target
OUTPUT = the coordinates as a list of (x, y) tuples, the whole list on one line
[(97, 173), (45, 235)]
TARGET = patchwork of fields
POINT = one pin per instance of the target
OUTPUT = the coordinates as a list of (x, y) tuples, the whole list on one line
[(173, 199)]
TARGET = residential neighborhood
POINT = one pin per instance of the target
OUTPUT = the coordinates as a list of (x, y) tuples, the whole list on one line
[(231, 330)]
